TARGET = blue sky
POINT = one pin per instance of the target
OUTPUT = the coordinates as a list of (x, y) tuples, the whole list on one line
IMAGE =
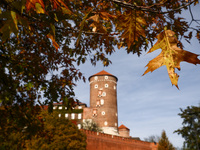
[(149, 104)]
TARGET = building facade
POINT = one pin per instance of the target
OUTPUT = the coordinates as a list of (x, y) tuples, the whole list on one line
[(103, 102)]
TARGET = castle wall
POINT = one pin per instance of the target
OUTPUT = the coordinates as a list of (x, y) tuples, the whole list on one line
[(101, 141)]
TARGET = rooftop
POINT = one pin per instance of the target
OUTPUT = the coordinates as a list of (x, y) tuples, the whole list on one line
[(102, 73), (123, 127)]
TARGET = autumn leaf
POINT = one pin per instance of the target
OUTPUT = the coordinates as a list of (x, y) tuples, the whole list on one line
[(37, 5), (171, 56), (132, 26), (55, 44), (60, 3), (99, 19)]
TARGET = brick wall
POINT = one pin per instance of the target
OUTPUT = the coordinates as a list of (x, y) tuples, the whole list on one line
[(101, 141)]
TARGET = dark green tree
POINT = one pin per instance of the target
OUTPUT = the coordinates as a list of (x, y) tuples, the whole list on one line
[(152, 138), (164, 143), (91, 125), (57, 133), (191, 127)]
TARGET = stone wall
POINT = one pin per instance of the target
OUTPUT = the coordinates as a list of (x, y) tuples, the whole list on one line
[(101, 141)]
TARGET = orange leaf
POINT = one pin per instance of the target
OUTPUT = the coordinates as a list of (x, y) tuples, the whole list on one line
[(55, 44), (171, 56), (32, 4)]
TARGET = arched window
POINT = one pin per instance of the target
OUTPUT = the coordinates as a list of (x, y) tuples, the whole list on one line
[(72, 116), (105, 123), (66, 115), (79, 116), (102, 101)]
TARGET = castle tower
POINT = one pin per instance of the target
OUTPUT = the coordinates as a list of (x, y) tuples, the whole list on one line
[(103, 101)]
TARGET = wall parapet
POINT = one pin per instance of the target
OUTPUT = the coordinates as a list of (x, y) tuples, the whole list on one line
[(99, 141)]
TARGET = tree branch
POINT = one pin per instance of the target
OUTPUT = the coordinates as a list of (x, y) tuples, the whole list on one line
[(148, 8)]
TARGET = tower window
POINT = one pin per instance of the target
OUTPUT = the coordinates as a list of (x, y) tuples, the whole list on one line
[(106, 85), (99, 93), (96, 86), (115, 124), (103, 113), (104, 94), (60, 107), (59, 115), (79, 107), (102, 101), (114, 87), (106, 77), (54, 107), (96, 78), (98, 103), (94, 112), (105, 123)]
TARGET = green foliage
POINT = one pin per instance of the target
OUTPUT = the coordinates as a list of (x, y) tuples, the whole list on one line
[(51, 132), (152, 138), (90, 125), (59, 134), (191, 127), (164, 143)]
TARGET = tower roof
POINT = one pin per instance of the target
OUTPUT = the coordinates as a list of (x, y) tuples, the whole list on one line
[(123, 127), (103, 73)]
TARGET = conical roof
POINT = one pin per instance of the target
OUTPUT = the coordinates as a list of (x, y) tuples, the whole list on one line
[(103, 73), (123, 127)]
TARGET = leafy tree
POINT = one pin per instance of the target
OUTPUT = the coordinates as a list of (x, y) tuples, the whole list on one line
[(42, 40), (152, 138), (90, 125), (164, 143), (191, 127), (54, 133), (58, 133)]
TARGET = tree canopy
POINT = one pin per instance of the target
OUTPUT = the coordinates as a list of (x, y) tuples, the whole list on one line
[(191, 127), (50, 132)]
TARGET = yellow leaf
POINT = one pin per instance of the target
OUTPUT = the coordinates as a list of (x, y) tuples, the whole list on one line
[(14, 18), (131, 25), (170, 56), (39, 8), (33, 4), (55, 44)]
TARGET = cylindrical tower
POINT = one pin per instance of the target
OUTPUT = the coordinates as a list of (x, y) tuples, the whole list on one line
[(103, 101)]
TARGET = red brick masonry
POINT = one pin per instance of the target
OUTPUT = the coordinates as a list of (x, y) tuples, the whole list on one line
[(101, 141)]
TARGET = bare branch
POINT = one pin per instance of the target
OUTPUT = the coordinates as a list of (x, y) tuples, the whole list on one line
[(148, 8)]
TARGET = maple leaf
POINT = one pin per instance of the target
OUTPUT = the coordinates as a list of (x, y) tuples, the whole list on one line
[(171, 55), (132, 27), (37, 5), (98, 21)]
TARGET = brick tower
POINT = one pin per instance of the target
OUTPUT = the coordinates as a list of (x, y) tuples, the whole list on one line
[(103, 101)]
